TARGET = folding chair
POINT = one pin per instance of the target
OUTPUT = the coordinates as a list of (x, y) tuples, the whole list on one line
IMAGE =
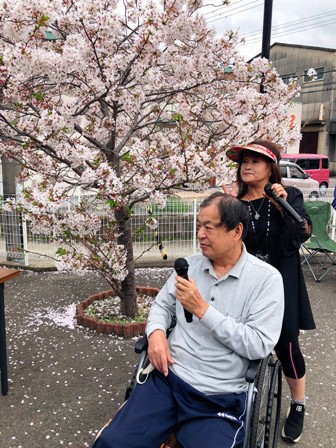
[(320, 248)]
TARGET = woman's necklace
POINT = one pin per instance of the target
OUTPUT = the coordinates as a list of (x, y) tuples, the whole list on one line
[(259, 254), (256, 212)]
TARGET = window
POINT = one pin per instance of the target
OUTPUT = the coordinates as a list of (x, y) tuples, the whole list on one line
[(283, 170), (309, 164), (325, 164), (295, 173), (287, 78), (313, 74), (303, 163), (313, 164)]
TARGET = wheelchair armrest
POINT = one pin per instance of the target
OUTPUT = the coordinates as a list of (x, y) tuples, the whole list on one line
[(252, 370), (141, 344)]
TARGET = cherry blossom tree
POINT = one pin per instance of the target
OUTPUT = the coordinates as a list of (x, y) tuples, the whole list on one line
[(126, 102)]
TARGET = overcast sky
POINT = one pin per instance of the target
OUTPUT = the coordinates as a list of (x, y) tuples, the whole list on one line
[(302, 22)]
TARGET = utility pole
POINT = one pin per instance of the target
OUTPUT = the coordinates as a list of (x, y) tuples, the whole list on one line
[(267, 26), (266, 35)]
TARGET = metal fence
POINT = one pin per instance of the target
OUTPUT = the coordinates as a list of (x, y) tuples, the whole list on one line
[(176, 232)]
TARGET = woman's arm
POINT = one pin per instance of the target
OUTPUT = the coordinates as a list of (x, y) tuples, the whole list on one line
[(294, 234)]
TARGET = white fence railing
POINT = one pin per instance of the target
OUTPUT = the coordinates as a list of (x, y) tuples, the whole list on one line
[(176, 232)]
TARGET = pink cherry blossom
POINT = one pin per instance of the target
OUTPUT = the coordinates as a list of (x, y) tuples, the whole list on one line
[(127, 102)]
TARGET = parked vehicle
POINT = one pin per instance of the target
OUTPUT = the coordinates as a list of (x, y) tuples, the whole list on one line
[(316, 165), (294, 176)]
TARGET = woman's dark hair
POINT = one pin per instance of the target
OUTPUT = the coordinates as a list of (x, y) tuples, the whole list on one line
[(275, 176), (231, 210)]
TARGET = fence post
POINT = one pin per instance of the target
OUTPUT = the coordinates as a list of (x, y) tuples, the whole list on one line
[(195, 226), (25, 242)]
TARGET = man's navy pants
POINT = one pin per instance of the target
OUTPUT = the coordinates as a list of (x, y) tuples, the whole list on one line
[(165, 404)]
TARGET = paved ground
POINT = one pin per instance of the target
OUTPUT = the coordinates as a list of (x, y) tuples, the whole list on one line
[(66, 381)]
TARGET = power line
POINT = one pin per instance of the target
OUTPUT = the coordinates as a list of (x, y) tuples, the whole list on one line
[(284, 29), (226, 15), (294, 22), (230, 8), (219, 8), (293, 31)]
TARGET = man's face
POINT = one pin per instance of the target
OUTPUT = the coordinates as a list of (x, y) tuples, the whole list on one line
[(215, 241)]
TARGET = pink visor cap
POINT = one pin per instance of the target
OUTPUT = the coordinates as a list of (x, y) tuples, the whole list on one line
[(235, 152)]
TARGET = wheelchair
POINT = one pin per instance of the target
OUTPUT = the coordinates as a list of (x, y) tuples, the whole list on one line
[(263, 398)]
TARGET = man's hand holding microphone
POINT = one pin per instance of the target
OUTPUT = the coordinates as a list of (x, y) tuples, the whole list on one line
[(193, 303)]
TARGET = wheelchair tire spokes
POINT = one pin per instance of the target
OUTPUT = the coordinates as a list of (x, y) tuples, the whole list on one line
[(265, 423), (274, 406), (259, 407)]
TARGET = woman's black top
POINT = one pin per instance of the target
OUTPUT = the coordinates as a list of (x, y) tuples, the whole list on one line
[(279, 238)]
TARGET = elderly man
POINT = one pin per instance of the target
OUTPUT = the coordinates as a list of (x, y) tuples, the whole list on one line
[(198, 387)]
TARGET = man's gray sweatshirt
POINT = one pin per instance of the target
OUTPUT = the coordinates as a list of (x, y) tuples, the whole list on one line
[(243, 322)]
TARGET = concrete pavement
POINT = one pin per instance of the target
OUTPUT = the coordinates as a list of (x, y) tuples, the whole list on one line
[(66, 381)]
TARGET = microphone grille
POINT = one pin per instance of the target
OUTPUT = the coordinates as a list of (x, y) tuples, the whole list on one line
[(181, 263)]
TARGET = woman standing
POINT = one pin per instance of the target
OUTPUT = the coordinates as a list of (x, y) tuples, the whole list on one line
[(275, 238)]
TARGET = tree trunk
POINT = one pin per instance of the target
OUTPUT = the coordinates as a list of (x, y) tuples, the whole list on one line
[(128, 305)]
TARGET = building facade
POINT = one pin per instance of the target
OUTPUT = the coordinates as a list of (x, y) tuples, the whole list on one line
[(318, 120)]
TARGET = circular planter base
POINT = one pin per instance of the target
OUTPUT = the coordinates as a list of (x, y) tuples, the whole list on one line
[(118, 329)]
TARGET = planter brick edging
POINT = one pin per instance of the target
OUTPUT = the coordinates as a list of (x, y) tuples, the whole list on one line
[(124, 330)]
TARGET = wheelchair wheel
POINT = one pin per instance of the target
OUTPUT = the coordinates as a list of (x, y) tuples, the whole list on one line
[(265, 422)]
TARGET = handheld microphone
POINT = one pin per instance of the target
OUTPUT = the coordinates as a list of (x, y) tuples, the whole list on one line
[(283, 204), (181, 268)]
